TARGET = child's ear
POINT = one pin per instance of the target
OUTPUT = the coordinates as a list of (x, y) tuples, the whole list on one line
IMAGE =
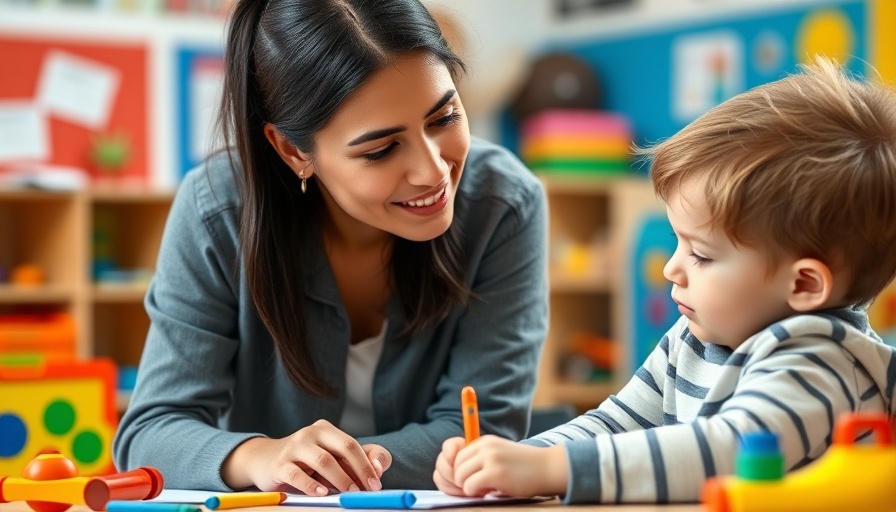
[(812, 284), (295, 158)]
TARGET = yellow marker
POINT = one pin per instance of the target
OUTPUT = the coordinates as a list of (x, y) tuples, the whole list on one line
[(245, 499), (470, 413)]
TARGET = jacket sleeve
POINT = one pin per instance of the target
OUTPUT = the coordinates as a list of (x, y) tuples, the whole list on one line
[(797, 391), (496, 347), (188, 356)]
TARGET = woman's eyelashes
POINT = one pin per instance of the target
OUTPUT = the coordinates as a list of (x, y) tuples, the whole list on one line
[(378, 155), (446, 120), (449, 119)]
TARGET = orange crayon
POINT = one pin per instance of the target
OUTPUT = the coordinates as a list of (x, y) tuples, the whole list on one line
[(470, 412)]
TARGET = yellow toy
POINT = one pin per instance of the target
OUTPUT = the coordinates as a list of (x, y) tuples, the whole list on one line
[(50, 483), (847, 477), (63, 407)]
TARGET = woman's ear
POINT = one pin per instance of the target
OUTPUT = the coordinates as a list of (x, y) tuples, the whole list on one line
[(296, 159), (812, 285)]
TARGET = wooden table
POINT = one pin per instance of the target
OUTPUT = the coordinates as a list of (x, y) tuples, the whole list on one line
[(555, 506)]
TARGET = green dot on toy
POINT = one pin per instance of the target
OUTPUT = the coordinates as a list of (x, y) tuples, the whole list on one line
[(87, 447), (59, 417)]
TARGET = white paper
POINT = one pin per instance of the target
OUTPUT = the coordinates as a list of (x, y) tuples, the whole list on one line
[(708, 69), (425, 499), (206, 88), (23, 132), (77, 90), (44, 177)]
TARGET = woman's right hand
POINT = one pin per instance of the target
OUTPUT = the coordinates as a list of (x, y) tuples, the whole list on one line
[(312, 460)]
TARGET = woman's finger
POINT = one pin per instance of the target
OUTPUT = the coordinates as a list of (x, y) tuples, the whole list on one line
[(379, 457), (295, 476), (350, 457)]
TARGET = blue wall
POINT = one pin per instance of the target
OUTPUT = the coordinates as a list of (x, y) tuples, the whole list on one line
[(636, 72)]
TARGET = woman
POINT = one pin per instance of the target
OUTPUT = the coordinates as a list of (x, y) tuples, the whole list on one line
[(325, 289)]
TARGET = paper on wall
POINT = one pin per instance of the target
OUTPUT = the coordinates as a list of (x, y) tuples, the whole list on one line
[(23, 132), (78, 90)]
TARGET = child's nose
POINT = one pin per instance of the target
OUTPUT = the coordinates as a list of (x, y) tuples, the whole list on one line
[(672, 271)]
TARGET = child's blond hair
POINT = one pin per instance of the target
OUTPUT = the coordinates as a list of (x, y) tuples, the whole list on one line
[(804, 166)]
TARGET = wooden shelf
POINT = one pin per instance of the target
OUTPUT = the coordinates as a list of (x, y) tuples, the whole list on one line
[(593, 220), (585, 184), (122, 194), (25, 194), (46, 294), (60, 234), (118, 294), (566, 283)]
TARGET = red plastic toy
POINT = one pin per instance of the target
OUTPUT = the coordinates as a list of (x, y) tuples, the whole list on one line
[(53, 475)]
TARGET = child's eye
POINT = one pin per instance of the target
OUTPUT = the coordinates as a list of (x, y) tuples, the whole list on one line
[(700, 260), (377, 155)]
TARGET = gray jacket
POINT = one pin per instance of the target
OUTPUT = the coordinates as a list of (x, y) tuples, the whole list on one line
[(210, 377)]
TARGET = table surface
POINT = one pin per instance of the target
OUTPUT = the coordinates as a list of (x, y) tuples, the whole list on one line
[(555, 505)]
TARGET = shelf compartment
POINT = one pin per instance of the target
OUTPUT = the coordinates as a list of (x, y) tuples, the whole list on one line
[(42, 229), (119, 331), (126, 235)]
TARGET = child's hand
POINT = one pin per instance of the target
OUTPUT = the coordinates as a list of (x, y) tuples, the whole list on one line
[(443, 476), (494, 464)]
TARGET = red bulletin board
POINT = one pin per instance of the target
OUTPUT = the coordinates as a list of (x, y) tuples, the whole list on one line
[(22, 57)]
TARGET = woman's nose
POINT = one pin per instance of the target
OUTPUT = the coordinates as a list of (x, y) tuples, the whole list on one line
[(427, 167)]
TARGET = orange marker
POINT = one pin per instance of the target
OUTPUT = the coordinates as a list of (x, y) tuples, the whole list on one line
[(470, 412)]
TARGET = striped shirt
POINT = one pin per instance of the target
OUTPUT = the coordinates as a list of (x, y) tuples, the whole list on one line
[(677, 422)]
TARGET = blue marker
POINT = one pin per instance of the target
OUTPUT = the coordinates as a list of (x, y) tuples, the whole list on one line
[(149, 506), (376, 499)]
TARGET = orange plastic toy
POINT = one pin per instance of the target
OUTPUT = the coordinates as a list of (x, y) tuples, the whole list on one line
[(51, 474), (27, 275)]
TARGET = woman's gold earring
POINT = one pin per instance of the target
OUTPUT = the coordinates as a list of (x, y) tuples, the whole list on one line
[(304, 180)]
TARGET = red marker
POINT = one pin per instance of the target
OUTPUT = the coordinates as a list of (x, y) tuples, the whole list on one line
[(470, 413)]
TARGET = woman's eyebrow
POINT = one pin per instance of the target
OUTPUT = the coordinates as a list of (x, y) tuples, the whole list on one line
[(441, 103), (385, 132), (375, 134)]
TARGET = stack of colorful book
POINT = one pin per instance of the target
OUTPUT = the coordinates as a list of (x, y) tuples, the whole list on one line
[(576, 141)]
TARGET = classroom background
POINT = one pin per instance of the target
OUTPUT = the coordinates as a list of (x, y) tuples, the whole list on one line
[(106, 104)]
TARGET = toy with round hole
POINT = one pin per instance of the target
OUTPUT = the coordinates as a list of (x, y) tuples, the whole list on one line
[(848, 476), (50, 483)]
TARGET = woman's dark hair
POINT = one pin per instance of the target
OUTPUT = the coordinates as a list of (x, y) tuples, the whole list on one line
[(291, 63)]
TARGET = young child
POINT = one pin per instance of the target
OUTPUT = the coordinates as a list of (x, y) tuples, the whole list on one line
[(783, 201)]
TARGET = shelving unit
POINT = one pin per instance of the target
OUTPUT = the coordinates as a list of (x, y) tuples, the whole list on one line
[(592, 224), (55, 231)]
